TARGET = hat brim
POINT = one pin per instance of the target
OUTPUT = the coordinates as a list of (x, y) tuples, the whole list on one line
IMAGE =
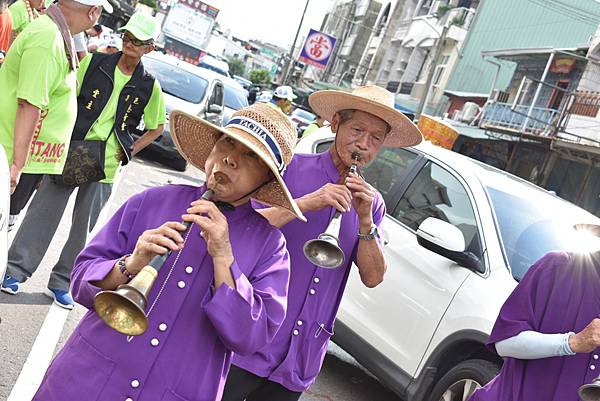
[(195, 139), (592, 228), (143, 36), (403, 132)]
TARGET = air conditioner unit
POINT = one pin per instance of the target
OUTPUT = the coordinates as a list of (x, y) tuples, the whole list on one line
[(468, 112)]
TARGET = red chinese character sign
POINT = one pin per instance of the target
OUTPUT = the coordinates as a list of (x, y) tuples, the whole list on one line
[(317, 49)]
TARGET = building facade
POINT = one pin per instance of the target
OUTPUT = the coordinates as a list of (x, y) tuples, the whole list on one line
[(352, 23)]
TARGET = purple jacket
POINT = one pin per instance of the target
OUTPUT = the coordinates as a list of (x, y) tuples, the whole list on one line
[(295, 356), (560, 293), (186, 351)]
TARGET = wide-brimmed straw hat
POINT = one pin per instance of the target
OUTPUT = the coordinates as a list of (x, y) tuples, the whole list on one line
[(370, 99), (264, 130), (591, 228)]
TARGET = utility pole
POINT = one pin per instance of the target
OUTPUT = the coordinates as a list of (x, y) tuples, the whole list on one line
[(290, 61), (435, 58)]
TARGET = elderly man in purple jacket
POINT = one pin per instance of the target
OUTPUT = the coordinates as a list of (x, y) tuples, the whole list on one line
[(548, 330), (364, 121), (222, 290)]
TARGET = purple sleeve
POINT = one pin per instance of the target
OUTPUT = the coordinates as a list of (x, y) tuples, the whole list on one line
[(248, 317), (523, 308), (100, 255)]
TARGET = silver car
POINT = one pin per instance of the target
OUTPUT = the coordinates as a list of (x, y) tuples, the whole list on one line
[(186, 87)]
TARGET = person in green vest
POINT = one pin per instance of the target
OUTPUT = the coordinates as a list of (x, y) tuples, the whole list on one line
[(38, 97), (282, 99), (115, 92)]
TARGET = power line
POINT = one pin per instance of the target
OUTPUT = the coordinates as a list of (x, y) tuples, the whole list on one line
[(581, 10), (562, 9)]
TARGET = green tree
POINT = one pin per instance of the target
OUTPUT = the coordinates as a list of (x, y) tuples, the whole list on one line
[(236, 67), (259, 77), (149, 3)]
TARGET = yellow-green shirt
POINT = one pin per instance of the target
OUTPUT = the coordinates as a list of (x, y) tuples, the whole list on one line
[(312, 127), (103, 128), (19, 16), (36, 70)]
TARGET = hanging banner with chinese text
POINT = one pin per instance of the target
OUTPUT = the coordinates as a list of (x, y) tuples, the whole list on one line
[(317, 49)]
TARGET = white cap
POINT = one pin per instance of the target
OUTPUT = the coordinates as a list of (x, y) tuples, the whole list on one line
[(285, 92), (104, 3)]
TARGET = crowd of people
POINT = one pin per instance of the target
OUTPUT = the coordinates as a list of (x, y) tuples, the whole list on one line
[(68, 125), (238, 313)]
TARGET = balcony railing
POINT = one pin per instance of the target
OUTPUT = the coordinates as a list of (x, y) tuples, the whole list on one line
[(501, 116)]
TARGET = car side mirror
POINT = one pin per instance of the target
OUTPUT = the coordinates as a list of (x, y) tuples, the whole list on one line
[(215, 109), (448, 241)]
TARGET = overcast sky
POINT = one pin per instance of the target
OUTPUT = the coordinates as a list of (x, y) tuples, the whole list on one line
[(274, 21)]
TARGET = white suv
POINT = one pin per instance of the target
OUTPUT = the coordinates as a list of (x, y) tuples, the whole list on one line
[(458, 235)]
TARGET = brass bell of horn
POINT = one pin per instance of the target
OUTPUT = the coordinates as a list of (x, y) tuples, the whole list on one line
[(123, 309), (591, 391), (325, 251)]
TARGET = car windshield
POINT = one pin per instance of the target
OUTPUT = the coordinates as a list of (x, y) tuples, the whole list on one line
[(176, 81), (532, 222), (234, 98)]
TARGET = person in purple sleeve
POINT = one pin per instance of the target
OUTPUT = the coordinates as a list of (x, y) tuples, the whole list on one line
[(364, 121), (548, 330), (222, 290)]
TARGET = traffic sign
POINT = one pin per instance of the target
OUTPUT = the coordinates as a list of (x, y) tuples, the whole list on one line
[(317, 49)]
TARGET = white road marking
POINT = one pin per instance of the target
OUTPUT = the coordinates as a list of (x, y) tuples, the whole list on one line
[(40, 355)]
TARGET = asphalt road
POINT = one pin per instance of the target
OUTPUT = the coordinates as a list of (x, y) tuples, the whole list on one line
[(341, 379)]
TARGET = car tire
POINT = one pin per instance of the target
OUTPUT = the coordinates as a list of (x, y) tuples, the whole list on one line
[(178, 164), (460, 381)]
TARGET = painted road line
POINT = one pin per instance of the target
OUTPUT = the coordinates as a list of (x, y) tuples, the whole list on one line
[(40, 355)]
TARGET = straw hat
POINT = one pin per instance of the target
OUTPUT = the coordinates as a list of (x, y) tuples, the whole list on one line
[(266, 131), (374, 100), (591, 228)]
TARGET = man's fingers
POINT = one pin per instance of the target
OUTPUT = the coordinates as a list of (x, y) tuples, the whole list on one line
[(163, 242), (172, 234), (153, 248)]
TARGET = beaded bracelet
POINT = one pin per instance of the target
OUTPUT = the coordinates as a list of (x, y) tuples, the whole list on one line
[(123, 269)]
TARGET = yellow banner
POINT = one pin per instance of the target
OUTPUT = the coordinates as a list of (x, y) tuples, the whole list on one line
[(437, 132)]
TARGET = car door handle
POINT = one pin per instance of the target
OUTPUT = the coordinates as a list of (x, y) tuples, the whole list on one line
[(385, 238)]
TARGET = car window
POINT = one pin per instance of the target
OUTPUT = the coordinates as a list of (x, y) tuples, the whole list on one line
[(387, 169), (234, 98), (323, 146), (176, 81), (436, 193)]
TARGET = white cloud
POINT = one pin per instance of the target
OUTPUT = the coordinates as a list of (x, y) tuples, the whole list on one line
[(274, 21)]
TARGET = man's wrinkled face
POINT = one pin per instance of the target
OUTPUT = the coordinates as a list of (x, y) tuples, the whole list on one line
[(362, 132), (233, 170)]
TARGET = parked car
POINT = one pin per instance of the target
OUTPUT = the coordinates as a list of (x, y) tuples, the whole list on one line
[(214, 64), (185, 87), (236, 97), (458, 237), (4, 210), (301, 118), (246, 83)]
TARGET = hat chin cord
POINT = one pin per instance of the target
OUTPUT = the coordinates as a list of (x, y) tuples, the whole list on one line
[(230, 206)]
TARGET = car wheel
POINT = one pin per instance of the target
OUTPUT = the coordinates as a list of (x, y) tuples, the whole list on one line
[(178, 164), (460, 382)]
